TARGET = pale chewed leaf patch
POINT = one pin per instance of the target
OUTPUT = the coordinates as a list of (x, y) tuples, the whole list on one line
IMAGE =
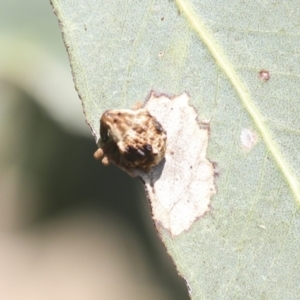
[(180, 186)]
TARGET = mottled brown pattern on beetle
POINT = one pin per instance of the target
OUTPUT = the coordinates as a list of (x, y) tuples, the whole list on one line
[(131, 139)]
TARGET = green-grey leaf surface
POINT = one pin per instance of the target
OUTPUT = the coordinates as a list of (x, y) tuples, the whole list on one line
[(247, 246)]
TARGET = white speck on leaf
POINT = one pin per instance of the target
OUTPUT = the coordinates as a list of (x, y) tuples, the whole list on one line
[(160, 54), (248, 138), (180, 187)]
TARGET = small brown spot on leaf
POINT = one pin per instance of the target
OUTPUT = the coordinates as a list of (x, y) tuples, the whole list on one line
[(264, 75)]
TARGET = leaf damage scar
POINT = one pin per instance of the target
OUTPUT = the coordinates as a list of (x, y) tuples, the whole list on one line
[(178, 178)]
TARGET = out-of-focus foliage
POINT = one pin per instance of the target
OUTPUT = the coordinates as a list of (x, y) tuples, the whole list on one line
[(66, 232)]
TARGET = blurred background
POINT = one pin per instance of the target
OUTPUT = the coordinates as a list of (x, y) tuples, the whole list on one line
[(69, 227)]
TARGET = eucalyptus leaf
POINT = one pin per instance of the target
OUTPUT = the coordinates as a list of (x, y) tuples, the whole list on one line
[(239, 63)]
